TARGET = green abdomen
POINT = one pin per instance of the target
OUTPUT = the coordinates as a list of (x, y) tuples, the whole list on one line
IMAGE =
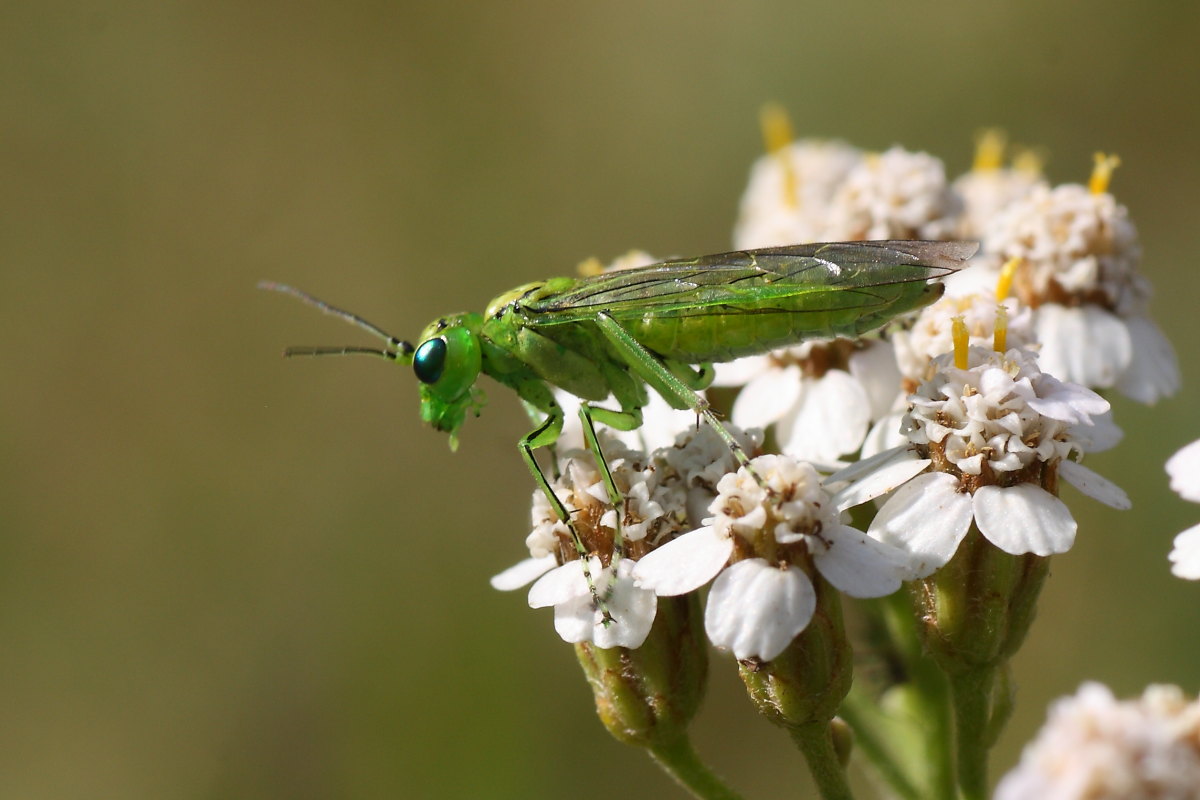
[(723, 333)]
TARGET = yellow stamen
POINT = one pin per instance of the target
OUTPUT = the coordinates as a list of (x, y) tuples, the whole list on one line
[(589, 267), (1102, 172), (1000, 331), (1007, 273), (777, 136), (1029, 161), (961, 338), (989, 150)]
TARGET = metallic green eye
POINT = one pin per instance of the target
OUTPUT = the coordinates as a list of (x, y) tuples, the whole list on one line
[(430, 360)]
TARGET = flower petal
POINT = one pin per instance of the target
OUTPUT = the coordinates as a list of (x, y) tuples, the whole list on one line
[(684, 564), (866, 466), (767, 397), (560, 585), (523, 572), (1185, 555), (926, 518), (1094, 485), (755, 609), (859, 565), (633, 610), (1085, 345), (740, 371), (829, 420), (1024, 519), (1155, 371), (880, 482), (1184, 469), (874, 366)]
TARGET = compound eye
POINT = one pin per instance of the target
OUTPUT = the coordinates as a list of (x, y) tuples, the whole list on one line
[(430, 360)]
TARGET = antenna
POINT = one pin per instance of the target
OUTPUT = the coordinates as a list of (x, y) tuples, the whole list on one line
[(404, 348)]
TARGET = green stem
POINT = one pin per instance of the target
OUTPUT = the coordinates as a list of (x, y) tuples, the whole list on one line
[(930, 698), (815, 741), (871, 728), (972, 710), (679, 760)]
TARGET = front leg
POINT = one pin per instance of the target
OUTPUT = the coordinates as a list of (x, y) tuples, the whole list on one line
[(627, 420), (539, 396)]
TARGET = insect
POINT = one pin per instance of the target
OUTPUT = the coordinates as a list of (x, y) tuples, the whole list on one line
[(659, 327)]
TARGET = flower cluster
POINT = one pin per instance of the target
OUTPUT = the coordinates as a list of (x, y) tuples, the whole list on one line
[(1095, 747), (930, 454), (657, 491)]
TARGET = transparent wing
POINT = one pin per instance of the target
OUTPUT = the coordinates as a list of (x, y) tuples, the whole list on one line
[(695, 285)]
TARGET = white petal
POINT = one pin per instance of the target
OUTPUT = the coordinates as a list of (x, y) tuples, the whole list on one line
[(1103, 434), (755, 609), (926, 518), (1154, 372), (577, 619), (767, 397), (632, 609), (661, 424), (830, 420), (1094, 485), (1068, 402), (1184, 469), (741, 371), (560, 585), (1024, 519), (684, 564), (868, 465), (859, 565), (880, 482), (523, 572), (884, 435), (1185, 555), (1085, 345), (874, 366)]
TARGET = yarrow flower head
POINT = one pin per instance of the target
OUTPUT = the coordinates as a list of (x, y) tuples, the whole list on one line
[(790, 186), (1095, 747), (1184, 469), (1080, 253), (897, 194), (989, 436), (990, 186), (762, 544), (656, 492)]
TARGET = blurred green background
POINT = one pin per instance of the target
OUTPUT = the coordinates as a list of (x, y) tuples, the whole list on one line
[(226, 575)]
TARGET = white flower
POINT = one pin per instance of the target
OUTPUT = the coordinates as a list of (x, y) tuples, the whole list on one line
[(894, 195), (822, 395), (577, 619), (656, 492), (762, 600), (1184, 469), (1080, 254), (789, 192), (1094, 747), (991, 432)]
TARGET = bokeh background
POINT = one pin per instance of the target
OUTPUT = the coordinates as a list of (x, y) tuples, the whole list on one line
[(225, 575)]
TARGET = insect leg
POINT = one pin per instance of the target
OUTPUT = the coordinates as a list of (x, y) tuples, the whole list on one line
[(663, 380), (622, 421), (545, 435)]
